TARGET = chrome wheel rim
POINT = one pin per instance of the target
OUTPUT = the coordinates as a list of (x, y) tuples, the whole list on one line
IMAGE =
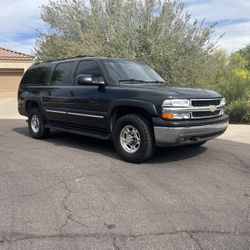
[(130, 139), (35, 124)]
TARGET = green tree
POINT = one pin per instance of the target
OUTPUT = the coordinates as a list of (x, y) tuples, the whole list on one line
[(245, 53), (157, 32)]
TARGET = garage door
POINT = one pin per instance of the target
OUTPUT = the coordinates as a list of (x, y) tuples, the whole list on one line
[(9, 82)]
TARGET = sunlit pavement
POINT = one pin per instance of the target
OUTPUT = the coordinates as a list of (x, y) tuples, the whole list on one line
[(8, 108), (237, 133)]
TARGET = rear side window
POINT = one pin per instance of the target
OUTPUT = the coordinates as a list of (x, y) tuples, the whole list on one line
[(36, 76), (61, 74)]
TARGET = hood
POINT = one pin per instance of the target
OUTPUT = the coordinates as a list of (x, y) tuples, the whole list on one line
[(174, 92)]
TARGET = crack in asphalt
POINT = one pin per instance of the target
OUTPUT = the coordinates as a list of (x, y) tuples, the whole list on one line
[(248, 213), (116, 247), (191, 235), (69, 212), (65, 207), (17, 236), (78, 178)]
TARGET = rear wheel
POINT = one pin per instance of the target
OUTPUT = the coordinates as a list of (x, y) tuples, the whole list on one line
[(36, 125), (133, 138)]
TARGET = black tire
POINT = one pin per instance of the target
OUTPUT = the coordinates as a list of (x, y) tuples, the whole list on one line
[(41, 132), (147, 144), (198, 144)]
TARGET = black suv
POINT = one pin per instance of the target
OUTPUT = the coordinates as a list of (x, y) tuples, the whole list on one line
[(120, 100)]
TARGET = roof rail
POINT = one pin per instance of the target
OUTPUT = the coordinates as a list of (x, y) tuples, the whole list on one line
[(63, 59)]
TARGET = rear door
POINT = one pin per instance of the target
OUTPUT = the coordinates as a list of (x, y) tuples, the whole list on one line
[(56, 95)]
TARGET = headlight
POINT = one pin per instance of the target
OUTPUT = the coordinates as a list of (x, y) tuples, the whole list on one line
[(169, 111), (176, 103), (223, 102)]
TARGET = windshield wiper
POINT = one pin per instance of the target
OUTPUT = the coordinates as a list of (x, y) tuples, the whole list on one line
[(131, 80), (156, 82), (141, 81)]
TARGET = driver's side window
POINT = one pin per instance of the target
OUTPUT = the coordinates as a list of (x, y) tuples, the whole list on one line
[(89, 67)]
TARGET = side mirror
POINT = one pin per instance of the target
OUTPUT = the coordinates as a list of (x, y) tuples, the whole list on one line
[(90, 80), (84, 79)]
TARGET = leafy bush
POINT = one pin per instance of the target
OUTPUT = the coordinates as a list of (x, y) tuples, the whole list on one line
[(239, 111), (234, 85)]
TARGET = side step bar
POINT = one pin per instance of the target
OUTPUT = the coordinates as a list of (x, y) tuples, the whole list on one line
[(80, 131)]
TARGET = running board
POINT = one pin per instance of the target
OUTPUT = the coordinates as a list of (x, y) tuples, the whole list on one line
[(80, 131)]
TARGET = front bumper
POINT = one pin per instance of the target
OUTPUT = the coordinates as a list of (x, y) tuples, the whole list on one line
[(167, 136)]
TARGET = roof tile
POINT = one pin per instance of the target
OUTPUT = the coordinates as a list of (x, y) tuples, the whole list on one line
[(10, 54)]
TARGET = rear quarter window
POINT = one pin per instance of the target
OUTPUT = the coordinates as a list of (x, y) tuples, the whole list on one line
[(36, 76)]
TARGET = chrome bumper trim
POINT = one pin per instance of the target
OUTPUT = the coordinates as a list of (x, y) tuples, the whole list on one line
[(187, 135)]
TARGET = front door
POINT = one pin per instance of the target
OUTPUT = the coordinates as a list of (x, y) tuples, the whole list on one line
[(89, 103)]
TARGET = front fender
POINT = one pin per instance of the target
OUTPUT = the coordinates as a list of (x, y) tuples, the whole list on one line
[(149, 107)]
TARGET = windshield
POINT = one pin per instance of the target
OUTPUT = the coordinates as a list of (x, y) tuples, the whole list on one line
[(131, 72)]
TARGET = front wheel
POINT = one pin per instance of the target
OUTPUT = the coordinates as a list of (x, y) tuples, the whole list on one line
[(36, 125), (133, 138)]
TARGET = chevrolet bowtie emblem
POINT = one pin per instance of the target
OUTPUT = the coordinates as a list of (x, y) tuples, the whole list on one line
[(212, 108)]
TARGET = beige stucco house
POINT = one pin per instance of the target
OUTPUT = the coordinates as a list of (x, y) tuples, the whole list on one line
[(12, 66)]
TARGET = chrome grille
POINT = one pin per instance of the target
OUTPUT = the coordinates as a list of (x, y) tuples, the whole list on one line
[(206, 108), (197, 109), (202, 103)]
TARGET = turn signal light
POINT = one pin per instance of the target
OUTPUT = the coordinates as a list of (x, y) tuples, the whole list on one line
[(167, 116)]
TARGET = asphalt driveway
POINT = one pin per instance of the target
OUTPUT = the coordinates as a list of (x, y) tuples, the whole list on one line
[(72, 192)]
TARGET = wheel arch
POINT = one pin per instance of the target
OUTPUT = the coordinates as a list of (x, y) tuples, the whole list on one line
[(31, 104), (123, 107)]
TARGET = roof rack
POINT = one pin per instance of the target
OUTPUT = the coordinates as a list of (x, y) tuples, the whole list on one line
[(66, 58)]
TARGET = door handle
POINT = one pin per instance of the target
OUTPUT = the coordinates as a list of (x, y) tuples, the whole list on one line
[(72, 92)]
